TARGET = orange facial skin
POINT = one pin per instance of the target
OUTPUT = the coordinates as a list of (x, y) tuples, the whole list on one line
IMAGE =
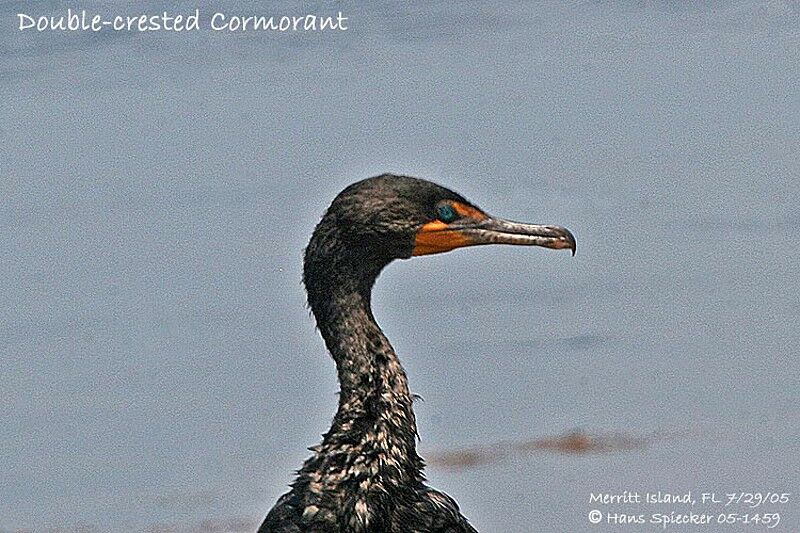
[(436, 237), (467, 211)]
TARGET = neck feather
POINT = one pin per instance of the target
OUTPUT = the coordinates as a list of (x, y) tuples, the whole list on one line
[(375, 417)]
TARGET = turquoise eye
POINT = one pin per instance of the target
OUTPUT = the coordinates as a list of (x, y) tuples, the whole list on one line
[(446, 213)]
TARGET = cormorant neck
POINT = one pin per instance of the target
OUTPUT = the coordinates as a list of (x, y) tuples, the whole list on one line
[(375, 406)]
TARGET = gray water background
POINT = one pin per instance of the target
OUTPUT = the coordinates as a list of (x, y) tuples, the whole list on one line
[(159, 368)]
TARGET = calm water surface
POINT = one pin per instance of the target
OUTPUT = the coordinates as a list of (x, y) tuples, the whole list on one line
[(160, 371)]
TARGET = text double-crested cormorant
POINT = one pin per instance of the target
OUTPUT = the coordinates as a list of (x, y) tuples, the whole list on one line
[(366, 476)]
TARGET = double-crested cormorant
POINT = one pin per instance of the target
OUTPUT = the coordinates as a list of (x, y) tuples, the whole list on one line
[(366, 476)]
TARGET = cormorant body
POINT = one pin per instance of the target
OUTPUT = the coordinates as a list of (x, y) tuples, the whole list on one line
[(366, 476)]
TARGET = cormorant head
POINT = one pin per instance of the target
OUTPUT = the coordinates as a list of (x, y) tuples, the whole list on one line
[(395, 217)]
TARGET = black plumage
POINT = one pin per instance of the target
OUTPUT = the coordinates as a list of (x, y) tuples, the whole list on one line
[(366, 475)]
